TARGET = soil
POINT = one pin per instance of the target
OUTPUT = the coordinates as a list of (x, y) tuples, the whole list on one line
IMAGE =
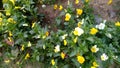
[(101, 10)]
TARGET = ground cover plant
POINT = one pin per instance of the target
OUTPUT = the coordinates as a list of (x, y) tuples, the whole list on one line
[(74, 40)]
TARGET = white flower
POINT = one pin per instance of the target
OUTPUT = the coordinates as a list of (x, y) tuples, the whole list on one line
[(64, 36), (101, 26), (94, 49), (43, 6), (78, 31), (57, 48), (104, 57)]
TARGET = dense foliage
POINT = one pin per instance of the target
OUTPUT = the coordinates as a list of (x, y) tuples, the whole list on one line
[(78, 42)]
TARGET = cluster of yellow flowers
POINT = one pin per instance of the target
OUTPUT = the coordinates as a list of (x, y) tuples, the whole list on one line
[(56, 6)]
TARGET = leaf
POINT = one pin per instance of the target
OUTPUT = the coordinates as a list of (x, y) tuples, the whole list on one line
[(73, 53), (37, 58), (90, 39)]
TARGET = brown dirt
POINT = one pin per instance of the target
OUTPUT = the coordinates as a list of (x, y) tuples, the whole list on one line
[(101, 9)]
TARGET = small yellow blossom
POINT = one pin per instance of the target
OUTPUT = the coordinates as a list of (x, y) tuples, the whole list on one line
[(29, 44), (7, 61), (76, 1), (86, 1), (65, 42), (78, 31), (33, 25), (67, 17), (93, 31), (27, 56), (95, 64), (53, 62), (47, 33), (61, 7), (79, 11), (94, 49), (55, 6), (109, 2), (62, 55), (117, 24), (10, 20), (10, 33), (0, 19), (79, 24), (23, 47), (75, 40), (80, 59), (8, 13)]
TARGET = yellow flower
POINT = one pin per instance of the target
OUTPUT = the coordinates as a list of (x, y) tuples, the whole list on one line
[(47, 33), (117, 24), (55, 6), (29, 44), (8, 13), (10, 33), (0, 19), (94, 49), (86, 1), (76, 1), (13, 2), (33, 25), (79, 24), (27, 56), (7, 61), (93, 31), (62, 55), (109, 2), (10, 20), (23, 47), (78, 31), (79, 11), (95, 64), (53, 62), (61, 7), (65, 42), (80, 59), (75, 40), (67, 17)]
